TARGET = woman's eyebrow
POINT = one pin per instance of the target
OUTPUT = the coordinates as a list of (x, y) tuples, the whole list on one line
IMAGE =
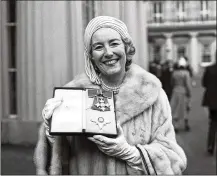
[(94, 44), (98, 43), (112, 40)]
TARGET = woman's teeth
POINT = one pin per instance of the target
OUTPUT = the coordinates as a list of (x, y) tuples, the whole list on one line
[(110, 62)]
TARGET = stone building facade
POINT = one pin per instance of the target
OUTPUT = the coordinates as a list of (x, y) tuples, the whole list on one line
[(187, 24)]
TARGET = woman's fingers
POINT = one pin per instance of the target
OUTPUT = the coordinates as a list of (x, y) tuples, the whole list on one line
[(103, 139), (90, 138), (52, 101), (100, 143), (50, 105), (47, 112)]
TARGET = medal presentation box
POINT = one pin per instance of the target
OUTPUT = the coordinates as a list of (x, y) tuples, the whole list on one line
[(84, 111)]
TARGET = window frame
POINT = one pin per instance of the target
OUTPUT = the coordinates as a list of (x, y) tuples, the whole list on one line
[(157, 52), (5, 27), (204, 16), (181, 9), (158, 12), (206, 51)]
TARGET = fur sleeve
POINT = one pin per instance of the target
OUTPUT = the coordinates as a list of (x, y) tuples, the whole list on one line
[(51, 158), (167, 156), (42, 152)]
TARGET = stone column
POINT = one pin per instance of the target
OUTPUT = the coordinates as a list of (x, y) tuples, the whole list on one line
[(75, 41), (169, 46), (108, 5), (194, 52), (130, 18), (214, 48), (142, 34), (98, 8), (135, 17)]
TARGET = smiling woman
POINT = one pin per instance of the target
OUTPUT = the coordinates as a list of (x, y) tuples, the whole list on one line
[(145, 143), (108, 56)]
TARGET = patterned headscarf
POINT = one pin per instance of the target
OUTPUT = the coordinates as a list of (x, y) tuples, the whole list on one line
[(95, 24)]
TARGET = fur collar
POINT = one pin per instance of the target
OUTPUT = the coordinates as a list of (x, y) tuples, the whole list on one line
[(138, 92)]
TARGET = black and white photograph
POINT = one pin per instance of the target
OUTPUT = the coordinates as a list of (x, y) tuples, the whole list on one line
[(108, 87)]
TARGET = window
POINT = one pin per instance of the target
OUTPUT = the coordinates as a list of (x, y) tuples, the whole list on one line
[(9, 59), (181, 10), (181, 50), (158, 12), (206, 56), (157, 52), (12, 71), (204, 11)]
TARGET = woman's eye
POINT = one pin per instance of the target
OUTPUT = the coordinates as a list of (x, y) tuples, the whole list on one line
[(114, 44), (98, 47)]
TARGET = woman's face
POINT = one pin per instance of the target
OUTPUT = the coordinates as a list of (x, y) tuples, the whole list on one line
[(108, 51)]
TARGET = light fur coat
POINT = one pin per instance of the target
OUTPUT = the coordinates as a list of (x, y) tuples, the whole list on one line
[(143, 110)]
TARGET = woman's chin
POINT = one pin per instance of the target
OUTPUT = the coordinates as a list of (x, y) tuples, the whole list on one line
[(112, 71)]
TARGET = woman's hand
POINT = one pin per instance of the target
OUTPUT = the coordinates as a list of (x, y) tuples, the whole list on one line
[(119, 148), (47, 112), (111, 146)]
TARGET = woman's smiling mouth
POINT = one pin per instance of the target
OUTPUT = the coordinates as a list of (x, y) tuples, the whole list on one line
[(111, 62)]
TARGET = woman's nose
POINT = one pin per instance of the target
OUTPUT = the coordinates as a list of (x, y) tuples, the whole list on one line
[(108, 52)]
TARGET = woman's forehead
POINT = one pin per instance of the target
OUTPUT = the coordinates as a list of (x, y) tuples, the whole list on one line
[(105, 34)]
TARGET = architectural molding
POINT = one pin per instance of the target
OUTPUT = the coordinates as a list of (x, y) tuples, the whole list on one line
[(193, 34), (181, 39), (158, 39), (169, 45), (168, 35), (182, 27), (194, 52), (206, 38)]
